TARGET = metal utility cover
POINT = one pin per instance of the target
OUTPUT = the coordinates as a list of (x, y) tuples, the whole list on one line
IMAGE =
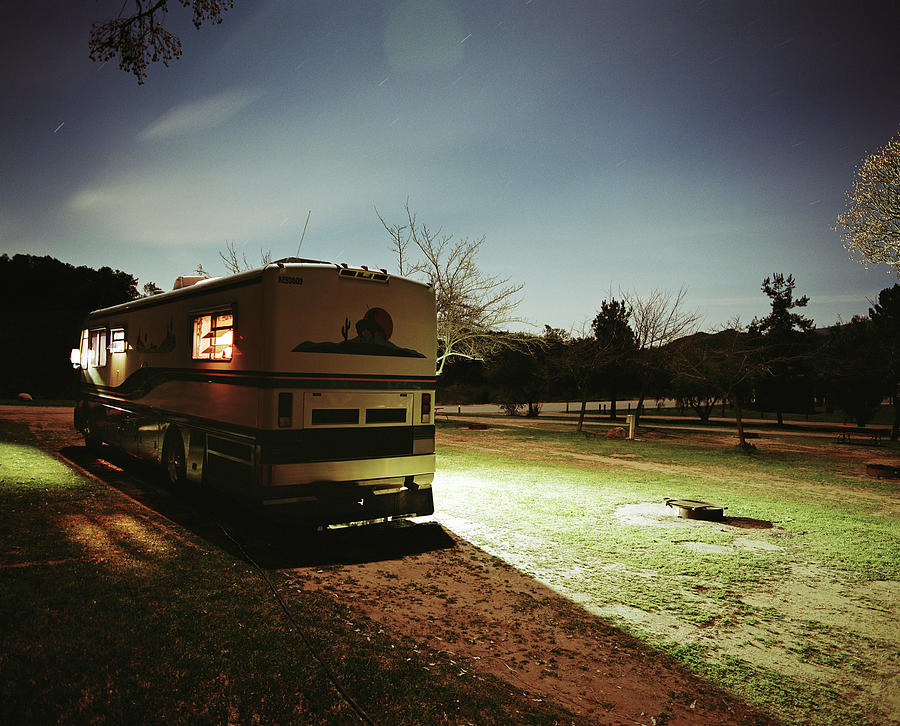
[(697, 508)]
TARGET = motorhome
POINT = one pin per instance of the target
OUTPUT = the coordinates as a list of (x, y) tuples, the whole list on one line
[(303, 388)]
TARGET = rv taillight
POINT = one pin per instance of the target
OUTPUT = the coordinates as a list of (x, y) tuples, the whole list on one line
[(426, 407)]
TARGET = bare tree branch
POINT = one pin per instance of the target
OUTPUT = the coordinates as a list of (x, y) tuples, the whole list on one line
[(471, 306), (726, 362), (660, 318), (657, 320), (235, 265)]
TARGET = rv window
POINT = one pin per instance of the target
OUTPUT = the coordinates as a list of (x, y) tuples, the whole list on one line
[(97, 352), (117, 340), (213, 336), (85, 348)]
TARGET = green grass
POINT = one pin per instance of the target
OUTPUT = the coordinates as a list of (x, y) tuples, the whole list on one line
[(555, 516), (112, 614)]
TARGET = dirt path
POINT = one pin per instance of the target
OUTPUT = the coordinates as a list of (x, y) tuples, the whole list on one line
[(489, 617)]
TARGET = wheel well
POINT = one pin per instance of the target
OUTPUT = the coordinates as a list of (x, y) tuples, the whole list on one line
[(173, 433), (170, 437), (172, 442)]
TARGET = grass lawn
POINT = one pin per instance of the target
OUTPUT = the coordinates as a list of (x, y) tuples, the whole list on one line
[(792, 603), (112, 614)]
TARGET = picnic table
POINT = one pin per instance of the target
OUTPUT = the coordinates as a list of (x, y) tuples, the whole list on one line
[(846, 433), (441, 411)]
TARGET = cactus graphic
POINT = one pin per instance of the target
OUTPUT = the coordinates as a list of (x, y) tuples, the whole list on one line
[(346, 328)]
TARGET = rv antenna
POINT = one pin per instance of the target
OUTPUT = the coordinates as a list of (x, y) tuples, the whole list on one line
[(304, 232)]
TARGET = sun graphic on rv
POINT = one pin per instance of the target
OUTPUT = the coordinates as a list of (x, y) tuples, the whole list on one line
[(373, 333)]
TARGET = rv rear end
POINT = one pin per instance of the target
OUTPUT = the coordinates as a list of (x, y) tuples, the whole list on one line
[(347, 426)]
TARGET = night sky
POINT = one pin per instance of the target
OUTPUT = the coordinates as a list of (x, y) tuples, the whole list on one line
[(598, 146)]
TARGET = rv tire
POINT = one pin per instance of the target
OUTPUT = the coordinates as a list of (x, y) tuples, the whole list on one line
[(173, 458)]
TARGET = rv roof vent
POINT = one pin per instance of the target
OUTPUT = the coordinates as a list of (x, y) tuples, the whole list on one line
[(187, 281), (302, 260), (364, 274)]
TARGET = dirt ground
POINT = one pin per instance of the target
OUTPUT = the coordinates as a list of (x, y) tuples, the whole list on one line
[(489, 617)]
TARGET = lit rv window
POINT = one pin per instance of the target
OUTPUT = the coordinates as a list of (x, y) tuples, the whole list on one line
[(85, 348), (117, 340), (97, 351), (213, 336)]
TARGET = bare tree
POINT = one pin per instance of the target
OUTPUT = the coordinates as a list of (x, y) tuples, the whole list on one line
[(660, 318), (726, 363), (657, 320), (140, 38), (471, 306), (582, 359), (235, 264), (872, 221)]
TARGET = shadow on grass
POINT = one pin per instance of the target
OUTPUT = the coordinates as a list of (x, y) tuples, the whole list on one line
[(747, 523), (349, 545), (244, 533)]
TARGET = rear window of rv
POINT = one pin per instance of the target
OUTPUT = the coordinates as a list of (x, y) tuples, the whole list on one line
[(213, 336)]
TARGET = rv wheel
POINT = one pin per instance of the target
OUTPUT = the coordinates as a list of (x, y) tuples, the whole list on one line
[(173, 458)]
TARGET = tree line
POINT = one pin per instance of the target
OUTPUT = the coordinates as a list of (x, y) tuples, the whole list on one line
[(645, 347), (636, 347), (648, 348), (45, 302)]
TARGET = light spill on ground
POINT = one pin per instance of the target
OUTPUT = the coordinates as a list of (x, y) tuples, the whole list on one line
[(489, 617), (812, 625)]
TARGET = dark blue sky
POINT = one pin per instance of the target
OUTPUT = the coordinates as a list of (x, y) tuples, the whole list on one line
[(598, 146)]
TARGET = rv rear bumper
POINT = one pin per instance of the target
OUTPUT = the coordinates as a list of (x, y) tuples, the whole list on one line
[(363, 471), (332, 492), (345, 507)]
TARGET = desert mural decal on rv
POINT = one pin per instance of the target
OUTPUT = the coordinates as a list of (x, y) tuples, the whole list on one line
[(144, 344), (373, 337)]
